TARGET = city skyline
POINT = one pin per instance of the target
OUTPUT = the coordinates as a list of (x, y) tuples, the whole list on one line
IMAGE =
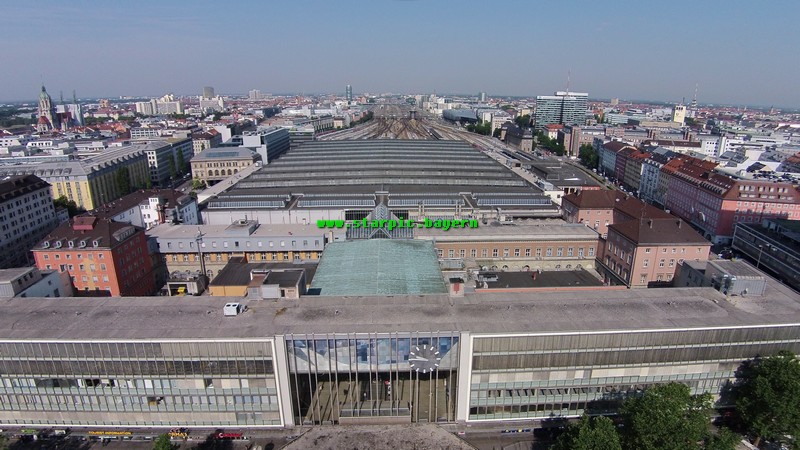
[(626, 51)]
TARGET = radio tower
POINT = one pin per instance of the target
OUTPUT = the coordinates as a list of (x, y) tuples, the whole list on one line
[(694, 100)]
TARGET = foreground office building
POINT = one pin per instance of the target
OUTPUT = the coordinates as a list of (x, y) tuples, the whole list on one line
[(338, 360)]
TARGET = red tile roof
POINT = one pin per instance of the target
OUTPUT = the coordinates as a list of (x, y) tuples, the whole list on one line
[(658, 232)]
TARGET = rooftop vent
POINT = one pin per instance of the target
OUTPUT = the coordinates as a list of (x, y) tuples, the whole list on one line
[(232, 309)]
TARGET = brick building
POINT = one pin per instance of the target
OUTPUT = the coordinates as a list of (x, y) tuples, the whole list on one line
[(714, 203), (100, 256), (647, 252), (599, 209)]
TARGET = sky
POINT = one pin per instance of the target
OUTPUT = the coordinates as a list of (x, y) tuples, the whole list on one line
[(735, 52)]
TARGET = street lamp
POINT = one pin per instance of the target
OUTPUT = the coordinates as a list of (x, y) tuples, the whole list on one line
[(760, 252), (199, 240)]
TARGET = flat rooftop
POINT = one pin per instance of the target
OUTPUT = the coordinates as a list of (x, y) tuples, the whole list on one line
[(538, 312), (536, 229), (547, 279)]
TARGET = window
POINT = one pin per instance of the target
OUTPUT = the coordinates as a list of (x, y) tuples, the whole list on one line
[(570, 251), (484, 253), (462, 253), (527, 252), (538, 253), (451, 253), (81, 267), (647, 250), (580, 252), (505, 253), (661, 263), (473, 252), (672, 263), (643, 279), (516, 252), (495, 253), (646, 263), (560, 251), (549, 251)]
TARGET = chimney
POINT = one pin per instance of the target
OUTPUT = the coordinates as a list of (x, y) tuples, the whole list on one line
[(650, 223), (679, 223)]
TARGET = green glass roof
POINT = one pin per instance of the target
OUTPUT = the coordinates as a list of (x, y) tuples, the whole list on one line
[(379, 267)]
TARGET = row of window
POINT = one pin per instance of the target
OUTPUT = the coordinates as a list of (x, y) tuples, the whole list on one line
[(517, 252), (236, 244)]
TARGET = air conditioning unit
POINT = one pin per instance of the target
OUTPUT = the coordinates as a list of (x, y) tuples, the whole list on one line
[(232, 309)]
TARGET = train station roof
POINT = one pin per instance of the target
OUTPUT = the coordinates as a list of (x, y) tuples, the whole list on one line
[(379, 267)]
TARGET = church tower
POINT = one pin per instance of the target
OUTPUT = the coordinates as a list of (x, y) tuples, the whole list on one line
[(47, 113)]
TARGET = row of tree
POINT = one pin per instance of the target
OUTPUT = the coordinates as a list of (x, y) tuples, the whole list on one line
[(766, 395), (589, 158)]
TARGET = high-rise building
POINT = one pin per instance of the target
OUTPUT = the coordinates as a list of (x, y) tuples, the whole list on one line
[(348, 93), (482, 96), (208, 92), (255, 94), (565, 108)]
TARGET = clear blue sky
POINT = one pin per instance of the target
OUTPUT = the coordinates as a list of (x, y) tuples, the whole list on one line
[(739, 52)]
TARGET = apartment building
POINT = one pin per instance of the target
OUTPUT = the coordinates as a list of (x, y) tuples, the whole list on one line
[(714, 203), (92, 181), (27, 214), (648, 252), (150, 207), (600, 208), (102, 257)]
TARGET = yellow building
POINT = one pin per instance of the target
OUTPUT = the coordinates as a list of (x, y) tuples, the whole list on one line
[(93, 181)]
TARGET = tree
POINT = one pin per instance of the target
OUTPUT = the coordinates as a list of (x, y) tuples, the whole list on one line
[(550, 144), (64, 202), (767, 392), (3, 442), (123, 179), (198, 184), (484, 128), (666, 417), (588, 156), (597, 433), (181, 162), (523, 121), (725, 439), (172, 169), (162, 442)]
